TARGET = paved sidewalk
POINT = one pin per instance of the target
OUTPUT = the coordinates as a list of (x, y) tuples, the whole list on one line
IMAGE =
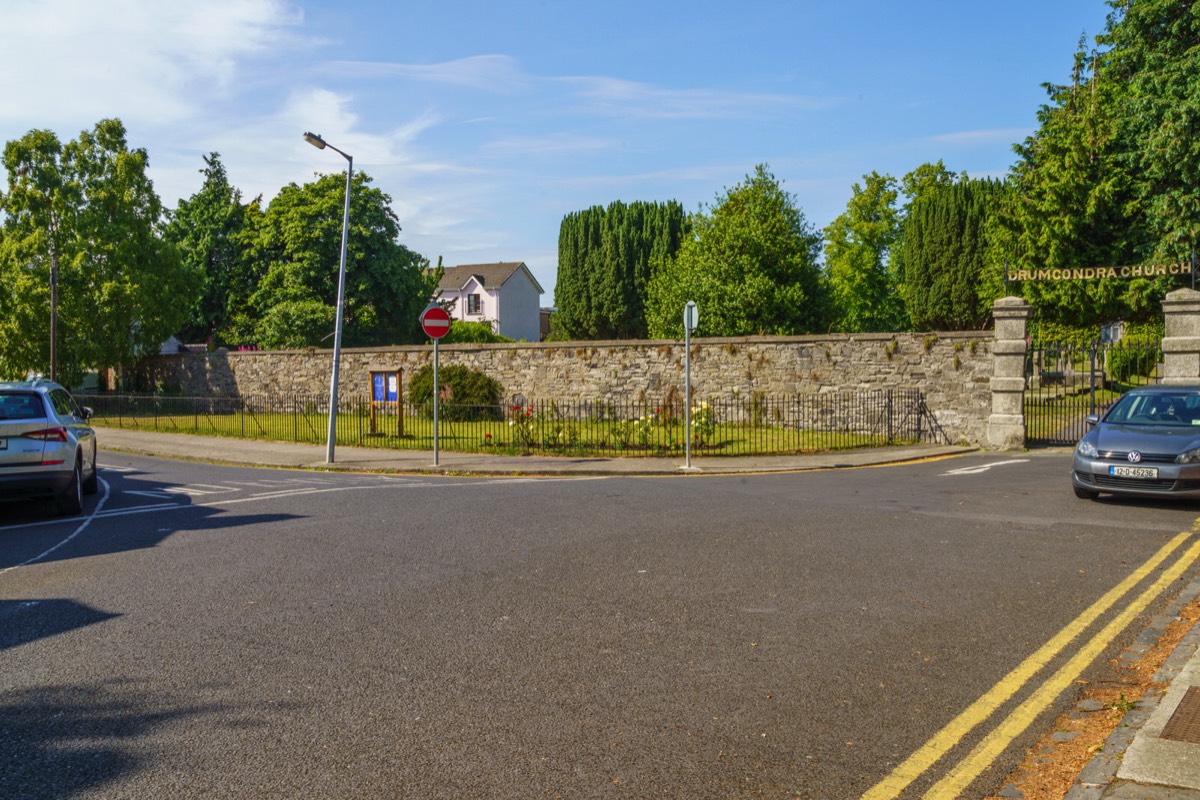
[(378, 459), (1138, 762)]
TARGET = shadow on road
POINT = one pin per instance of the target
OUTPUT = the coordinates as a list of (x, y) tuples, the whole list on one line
[(62, 740), (29, 529), (24, 621)]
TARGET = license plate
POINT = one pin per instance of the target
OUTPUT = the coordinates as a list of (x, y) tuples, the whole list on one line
[(1133, 472)]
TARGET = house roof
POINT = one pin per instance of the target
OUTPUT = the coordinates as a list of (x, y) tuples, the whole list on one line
[(491, 276)]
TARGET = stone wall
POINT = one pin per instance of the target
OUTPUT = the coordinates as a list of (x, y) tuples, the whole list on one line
[(952, 370)]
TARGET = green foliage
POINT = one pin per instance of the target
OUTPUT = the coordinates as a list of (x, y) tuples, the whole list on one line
[(88, 209), (295, 324), (462, 332), (925, 178), (1112, 174), (750, 264), (207, 231), (464, 394), (1131, 360), (605, 259), (858, 243), (945, 255), (295, 244), (1153, 69)]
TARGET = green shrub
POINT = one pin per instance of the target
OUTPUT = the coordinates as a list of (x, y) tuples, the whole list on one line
[(472, 333), (1133, 359), (466, 394)]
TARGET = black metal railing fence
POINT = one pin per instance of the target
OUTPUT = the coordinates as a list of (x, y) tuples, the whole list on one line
[(752, 425), (1065, 382)]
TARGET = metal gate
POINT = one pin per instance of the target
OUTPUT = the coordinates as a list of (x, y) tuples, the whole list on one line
[(1066, 382)]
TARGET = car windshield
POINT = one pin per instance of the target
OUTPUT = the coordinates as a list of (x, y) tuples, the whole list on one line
[(21, 405), (1156, 408)]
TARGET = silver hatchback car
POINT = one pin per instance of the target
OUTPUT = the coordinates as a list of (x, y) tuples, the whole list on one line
[(1147, 444), (47, 447)]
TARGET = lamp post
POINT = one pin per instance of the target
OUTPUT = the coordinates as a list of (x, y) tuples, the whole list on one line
[(319, 143)]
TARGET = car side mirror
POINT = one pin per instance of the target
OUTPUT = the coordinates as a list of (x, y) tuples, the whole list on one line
[(1091, 420), (86, 412)]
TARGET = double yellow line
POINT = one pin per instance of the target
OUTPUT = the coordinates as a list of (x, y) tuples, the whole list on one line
[(959, 777)]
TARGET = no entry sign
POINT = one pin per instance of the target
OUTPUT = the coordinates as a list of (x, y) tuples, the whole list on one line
[(435, 322)]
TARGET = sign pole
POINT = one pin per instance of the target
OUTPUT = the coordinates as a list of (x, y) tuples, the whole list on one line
[(435, 402), (435, 322), (690, 317), (687, 396)]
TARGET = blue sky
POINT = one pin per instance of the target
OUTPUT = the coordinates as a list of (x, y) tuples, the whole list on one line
[(487, 122)]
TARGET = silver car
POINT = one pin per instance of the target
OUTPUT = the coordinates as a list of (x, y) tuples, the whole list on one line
[(1147, 444), (47, 448)]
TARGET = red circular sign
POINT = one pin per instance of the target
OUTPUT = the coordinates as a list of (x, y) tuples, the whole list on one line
[(435, 322)]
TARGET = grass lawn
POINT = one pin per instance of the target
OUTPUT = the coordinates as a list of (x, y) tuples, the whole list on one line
[(548, 437)]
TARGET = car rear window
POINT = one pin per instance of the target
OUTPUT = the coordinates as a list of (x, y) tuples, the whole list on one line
[(21, 405)]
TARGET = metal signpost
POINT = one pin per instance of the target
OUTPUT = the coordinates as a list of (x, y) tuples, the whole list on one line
[(436, 324), (691, 316)]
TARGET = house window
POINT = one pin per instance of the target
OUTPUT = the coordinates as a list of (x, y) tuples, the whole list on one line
[(472, 304)]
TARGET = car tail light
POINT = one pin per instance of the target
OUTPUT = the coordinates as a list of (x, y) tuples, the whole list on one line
[(48, 435)]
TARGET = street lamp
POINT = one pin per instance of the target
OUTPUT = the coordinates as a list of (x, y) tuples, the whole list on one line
[(319, 143)]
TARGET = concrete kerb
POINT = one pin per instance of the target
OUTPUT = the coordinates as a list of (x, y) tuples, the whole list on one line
[(1099, 778)]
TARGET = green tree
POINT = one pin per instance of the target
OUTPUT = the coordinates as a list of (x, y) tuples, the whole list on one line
[(207, 230), (751, 265), (946, 253), (863, 289), (605, 257), (295, 244), (87, 209), (1150, 73), (925, 178), (1072, 202)]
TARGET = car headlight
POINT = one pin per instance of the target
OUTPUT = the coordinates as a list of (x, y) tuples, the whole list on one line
[(1088, 450), (1189, 456)]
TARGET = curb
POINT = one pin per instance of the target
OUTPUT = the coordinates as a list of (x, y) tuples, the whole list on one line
[(1099, 774)]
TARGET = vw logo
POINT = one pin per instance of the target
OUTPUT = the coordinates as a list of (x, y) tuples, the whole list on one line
[(1134, 456)]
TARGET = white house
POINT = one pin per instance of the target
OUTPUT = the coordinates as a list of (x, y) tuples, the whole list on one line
[(506, 295)]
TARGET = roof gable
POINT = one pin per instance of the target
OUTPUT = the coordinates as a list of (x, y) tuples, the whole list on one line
[(490, 276)]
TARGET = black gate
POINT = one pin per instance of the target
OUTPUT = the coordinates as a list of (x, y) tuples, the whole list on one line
[(1066, 382)]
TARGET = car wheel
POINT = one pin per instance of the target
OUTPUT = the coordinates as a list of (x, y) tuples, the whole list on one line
[(70, 502), (92, 484), (1084, 494)]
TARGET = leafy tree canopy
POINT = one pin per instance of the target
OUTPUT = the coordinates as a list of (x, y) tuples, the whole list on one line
[(750, 264), (295, 244), (1112, 174), (858, 245), (87, 210), (207, 229)]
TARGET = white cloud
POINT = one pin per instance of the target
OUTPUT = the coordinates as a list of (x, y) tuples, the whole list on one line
[(136, 59), (632, 99), (496, 73)]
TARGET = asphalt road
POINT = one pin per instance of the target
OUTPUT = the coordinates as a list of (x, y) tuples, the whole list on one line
[(230, 632)]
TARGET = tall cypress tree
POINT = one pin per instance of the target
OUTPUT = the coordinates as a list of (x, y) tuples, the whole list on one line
[(605, 259), (945, 247)]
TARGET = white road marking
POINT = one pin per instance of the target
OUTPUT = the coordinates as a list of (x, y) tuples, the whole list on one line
[(83, 526), (984, 467), (389, 483)]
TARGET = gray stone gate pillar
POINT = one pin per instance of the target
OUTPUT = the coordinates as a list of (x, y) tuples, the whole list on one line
[(1006, 425), (1181, 337)]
